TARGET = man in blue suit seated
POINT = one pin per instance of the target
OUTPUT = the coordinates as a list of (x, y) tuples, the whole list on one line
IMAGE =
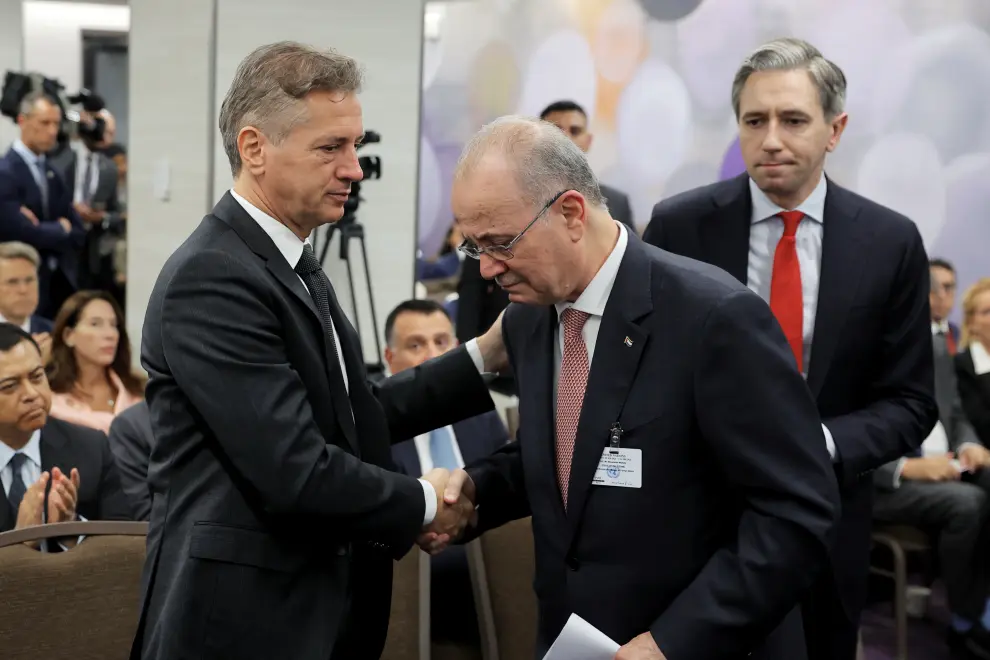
[(416, 331), (19, 263), (36, 204)]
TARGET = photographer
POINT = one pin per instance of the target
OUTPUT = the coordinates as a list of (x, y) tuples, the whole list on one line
[(36, 204), (92, 178)]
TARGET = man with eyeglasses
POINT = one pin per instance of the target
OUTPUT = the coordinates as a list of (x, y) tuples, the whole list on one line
[(669, 452)]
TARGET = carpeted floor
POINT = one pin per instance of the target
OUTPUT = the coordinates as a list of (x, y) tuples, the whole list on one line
[(926, 637)]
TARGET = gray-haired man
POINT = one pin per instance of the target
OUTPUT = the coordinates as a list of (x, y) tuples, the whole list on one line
[(847, 280)]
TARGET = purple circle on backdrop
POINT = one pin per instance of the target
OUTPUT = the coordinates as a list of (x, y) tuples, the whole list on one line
[(732, 162)]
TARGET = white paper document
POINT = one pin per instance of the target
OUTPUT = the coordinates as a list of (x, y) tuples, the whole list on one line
[(579, 640)]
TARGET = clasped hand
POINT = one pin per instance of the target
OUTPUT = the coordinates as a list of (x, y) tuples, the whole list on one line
[(455, 509)]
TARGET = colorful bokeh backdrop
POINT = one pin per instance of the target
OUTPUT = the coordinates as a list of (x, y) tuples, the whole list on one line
[(655, 77)]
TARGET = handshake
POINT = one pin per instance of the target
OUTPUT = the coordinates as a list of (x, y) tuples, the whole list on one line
[(455, 509)]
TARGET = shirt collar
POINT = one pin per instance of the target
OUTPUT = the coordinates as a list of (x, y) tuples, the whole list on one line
[(981, 358), (27, 323), (288, 244), (29, 156), (32, 450), (595, 296), (813, 207), (940, 327)]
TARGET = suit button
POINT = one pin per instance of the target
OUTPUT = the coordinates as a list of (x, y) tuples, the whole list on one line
[(573, 563)]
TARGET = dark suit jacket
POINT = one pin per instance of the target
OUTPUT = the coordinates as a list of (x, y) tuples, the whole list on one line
[(737, 500), (40, 324), (871, 367), (958, 430), (97, 259), (130, 439), (975, 394), (67, 446), (274, 516), (18, 188), (479, 302), (618, 205)]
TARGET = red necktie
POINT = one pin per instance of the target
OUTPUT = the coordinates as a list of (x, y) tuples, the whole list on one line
[(950, 342), (571, 384), (786, 300)]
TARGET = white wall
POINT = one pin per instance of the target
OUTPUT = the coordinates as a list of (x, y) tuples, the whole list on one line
[(171, 88), (175, 106), (10, 58), (53, 36), (386, 37)]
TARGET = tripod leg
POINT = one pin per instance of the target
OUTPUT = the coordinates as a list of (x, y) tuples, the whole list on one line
[(371, 302)]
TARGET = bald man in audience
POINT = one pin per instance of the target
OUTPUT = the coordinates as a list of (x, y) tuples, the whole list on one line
[(417, 331)]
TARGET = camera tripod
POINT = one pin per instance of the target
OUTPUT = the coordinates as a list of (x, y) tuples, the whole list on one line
[(349, 229)]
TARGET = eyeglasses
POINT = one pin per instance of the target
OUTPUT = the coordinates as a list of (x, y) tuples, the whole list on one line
[(504, 252)]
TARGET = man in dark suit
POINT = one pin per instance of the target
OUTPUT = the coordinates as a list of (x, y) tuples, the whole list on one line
[(19, 264), (130, 441), (417, 331), (275, 518), (51, 471), (479, 303), (847, 280), (944, 487), (571, 118), (92, 178), (942, 299), (668, 451), (36, 205)]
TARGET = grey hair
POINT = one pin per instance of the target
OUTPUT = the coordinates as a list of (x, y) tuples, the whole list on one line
[(789, 54), (546, 161), (26, 106), (19, 250), (269, 84)]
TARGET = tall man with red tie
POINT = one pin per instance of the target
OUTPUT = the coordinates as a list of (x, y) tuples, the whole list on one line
[(847, 280)]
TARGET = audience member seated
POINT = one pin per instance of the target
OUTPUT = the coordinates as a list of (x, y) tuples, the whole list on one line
[(942, 299), (416, 331), (36, 204), (944, 488), (90, 369), (130, 441), (446, 263), (973, 363), (36, 452), (19, 263)]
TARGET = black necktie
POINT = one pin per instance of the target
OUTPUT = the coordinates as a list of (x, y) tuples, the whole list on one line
[(17, 487), (311, 272)]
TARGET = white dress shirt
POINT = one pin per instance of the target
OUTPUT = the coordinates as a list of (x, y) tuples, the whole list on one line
[(87, 163), (422, 443), (591, 301), (766, 231), (291, 248), (35, 163), (30, 469), (981, 358), (26, 326)]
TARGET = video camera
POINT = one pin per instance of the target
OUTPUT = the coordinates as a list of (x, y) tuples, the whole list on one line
[(371, 166), (86, 125)]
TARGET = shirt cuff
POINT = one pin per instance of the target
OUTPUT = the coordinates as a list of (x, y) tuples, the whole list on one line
[(897, 472), (475, 353), (830, 444), (430, 493)]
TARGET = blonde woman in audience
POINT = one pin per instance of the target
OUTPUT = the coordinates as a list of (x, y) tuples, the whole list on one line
[(973, 362), (90, 369)]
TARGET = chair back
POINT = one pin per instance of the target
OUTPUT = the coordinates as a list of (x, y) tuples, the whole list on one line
[(508, 619), (85, 599), (409, 620)]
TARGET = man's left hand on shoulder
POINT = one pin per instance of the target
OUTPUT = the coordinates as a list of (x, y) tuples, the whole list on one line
[(642, 647)]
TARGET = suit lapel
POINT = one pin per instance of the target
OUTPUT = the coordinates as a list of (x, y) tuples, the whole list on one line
[(55, 449), (725, 236), (534, 367), (34, 199), (843, 254), (228, 210), (618, 350)]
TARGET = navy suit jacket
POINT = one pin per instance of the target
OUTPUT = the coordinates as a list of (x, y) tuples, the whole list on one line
[(18, 188), (872, 365), (40, 324)]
